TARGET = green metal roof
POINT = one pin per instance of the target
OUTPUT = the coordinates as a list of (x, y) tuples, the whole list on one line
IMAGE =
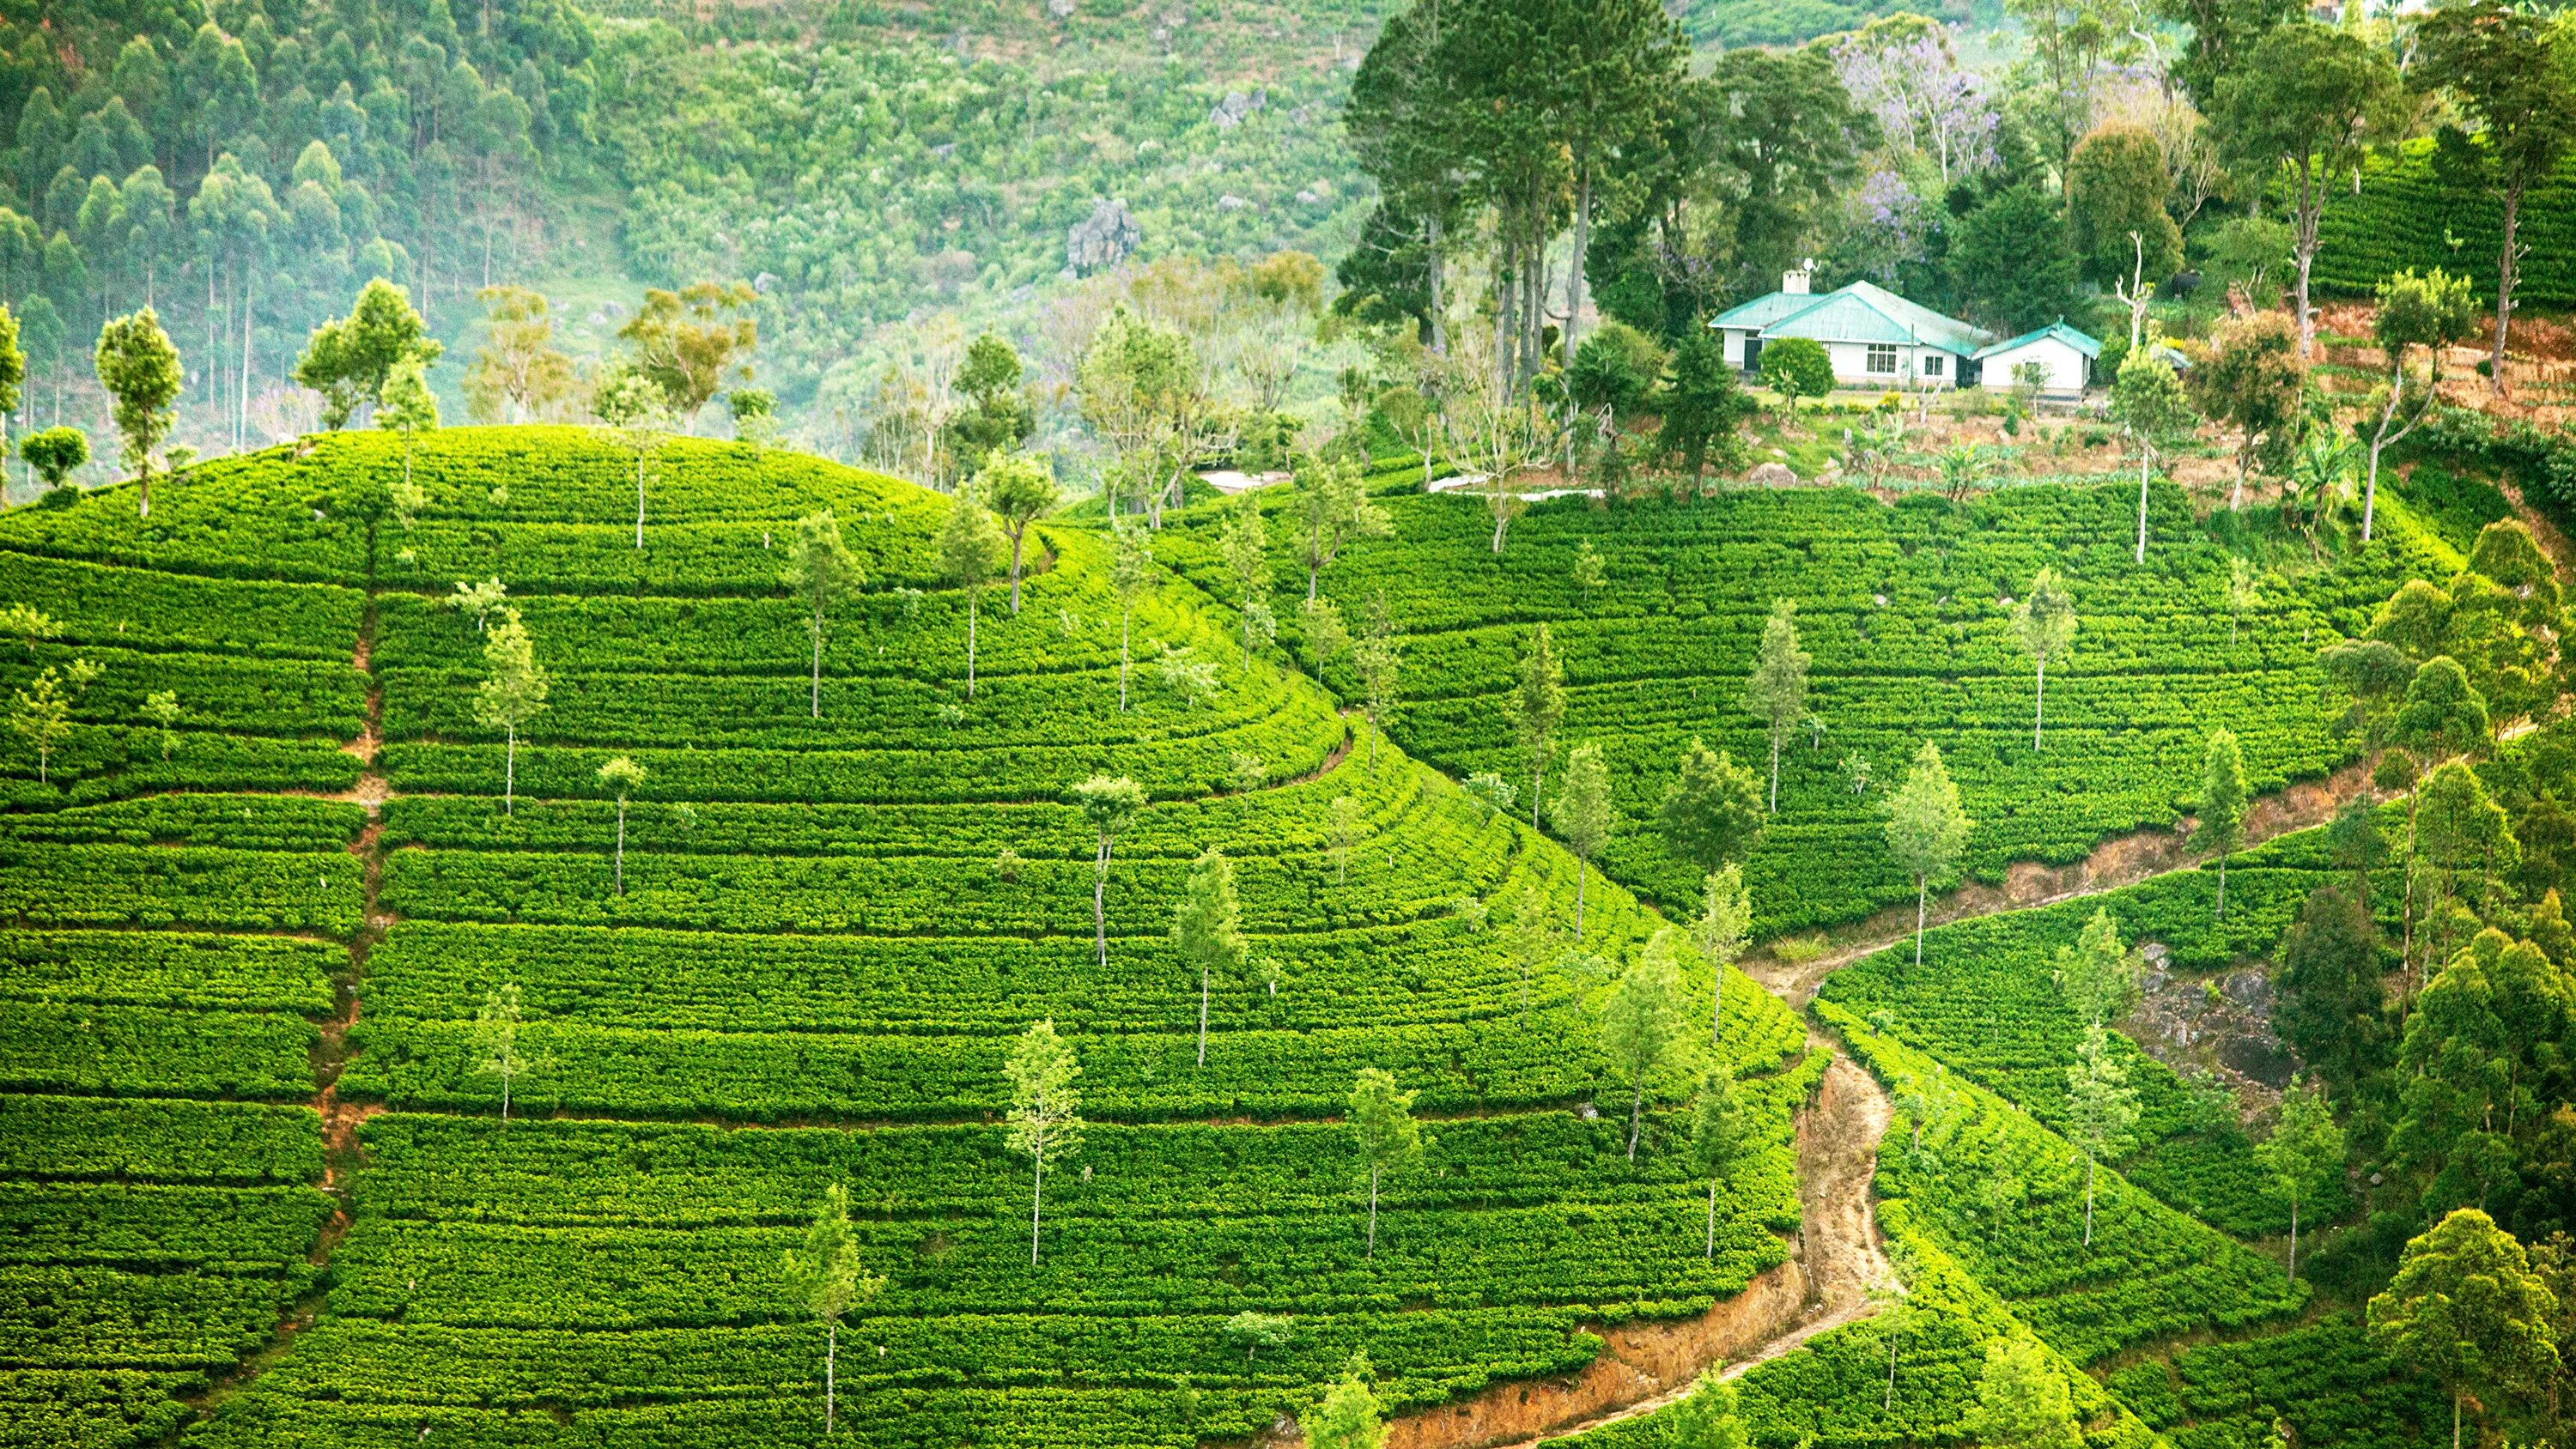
[(1863, 312), (2057, 329), (1761, 312)]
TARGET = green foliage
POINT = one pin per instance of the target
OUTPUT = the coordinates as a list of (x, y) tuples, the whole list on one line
[(2116, 187), (140, 370), (1349, 1417), (1711, 813), (1796, 367), (352, 360), (54, 453), (2466, 1309), (2022, 1401)]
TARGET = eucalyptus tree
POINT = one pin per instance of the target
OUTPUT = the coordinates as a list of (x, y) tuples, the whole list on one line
[(2149, 404), (1537, 707), (1926, 828), (1721, 1139), (405, 405), (1723, 928), (1583, 815), (1381, 1117), (1108, 803), (512, 693), (1640, 1023), (2306, 99), (2511, 70), (1017, 488), (1131, 573), (1045, 1119), (1777, 690), (140, 370), (2434, 312), (495, 1038), (622, 777), (2044, 622), (824, 574), (1207, 927), (970, 548), (828, 1280)]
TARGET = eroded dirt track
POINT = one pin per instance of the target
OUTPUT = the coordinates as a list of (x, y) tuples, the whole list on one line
[(1649, 1364)]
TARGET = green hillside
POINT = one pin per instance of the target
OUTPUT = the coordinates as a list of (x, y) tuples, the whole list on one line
[(829, 931), (1906, 610)]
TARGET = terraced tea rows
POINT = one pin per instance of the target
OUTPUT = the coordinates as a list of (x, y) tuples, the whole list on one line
[(833, 926), (1906, 612), (168, 957)]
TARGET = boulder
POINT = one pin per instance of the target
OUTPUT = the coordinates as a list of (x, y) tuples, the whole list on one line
[(1772, 475), (1103, 239)]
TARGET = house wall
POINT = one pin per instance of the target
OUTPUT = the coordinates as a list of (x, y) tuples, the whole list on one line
[(1735, 344), (2065, 366), (1851, 365)]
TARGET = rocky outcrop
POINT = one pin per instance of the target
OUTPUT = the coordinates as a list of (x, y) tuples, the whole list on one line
[(1103, 239)]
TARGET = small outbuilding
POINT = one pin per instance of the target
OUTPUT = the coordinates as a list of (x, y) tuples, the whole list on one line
[(2063, 355)]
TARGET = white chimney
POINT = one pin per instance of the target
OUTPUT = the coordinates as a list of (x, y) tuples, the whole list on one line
[(1796, 283)]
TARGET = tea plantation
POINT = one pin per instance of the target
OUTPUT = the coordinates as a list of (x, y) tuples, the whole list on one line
[(1906, 611), (244, 1086)]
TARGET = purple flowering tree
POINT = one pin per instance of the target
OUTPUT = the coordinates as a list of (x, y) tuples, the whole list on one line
[(1925, 102)]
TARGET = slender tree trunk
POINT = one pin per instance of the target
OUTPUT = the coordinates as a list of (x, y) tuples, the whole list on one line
[(1574, 269), (815, 627), (2305, 248), (621, 845), (1708, 1254), (505, 1099), (1016, 536), (1922, 893), (2506, 267), (2379, 440), (639, 498), (1439, 318), (2039, 703), (1099, 901), (510, 775), (1125, 615), (831, 1362), (970, 643), (2088, 1197), (1775, 767), (1372, 1236), (1717, 1004), (1636, 1114), (2455, 1419), (1203, 998), (1037, 1195), (1581, 872), (1538, 777), (2146, 462)]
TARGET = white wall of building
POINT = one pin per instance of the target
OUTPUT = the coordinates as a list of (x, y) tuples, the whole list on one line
[(2065, 366), (1913, 364)]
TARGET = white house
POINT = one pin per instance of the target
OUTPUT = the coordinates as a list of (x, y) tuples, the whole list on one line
[(2064, 355), (1876, 338)]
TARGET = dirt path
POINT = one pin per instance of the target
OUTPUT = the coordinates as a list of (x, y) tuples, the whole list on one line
[(1647, 1364), (1840, 1257), (330, 1053), (2119, 861)]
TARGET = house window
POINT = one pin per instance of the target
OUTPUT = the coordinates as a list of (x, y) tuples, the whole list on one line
[(1932, 364), (1882, 359)]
